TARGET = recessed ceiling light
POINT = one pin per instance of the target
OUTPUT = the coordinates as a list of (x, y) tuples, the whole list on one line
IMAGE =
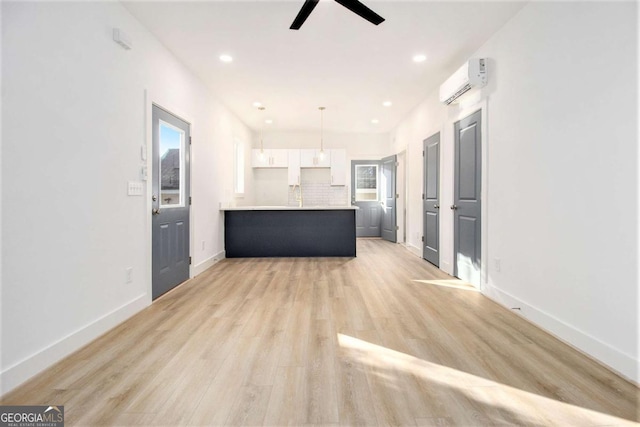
[(226, 58), (419, 58), (375, 121), (257, 104), (268, 121), (387, 103)]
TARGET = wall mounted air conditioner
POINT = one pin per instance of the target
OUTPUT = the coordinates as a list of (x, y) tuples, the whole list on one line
[(472, 74)]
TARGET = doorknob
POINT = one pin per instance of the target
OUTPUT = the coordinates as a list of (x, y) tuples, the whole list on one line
[(156, 211), (436, 206), (454, 207)]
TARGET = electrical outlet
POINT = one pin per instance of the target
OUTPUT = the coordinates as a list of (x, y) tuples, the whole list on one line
[(496, 264), (129, 275)]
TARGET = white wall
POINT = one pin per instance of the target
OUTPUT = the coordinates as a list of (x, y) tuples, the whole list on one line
[(270, 186), (75, 115), (561, 173)]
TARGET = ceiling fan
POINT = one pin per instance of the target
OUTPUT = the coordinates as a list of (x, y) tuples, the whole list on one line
[(353, 5)]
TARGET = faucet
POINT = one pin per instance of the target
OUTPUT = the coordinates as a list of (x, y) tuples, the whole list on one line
[(298, 198)]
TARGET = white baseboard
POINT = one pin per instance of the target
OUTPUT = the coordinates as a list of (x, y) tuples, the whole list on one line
[(612, 358), (208, 263), (414, 250), (20, 372), (446, 267)]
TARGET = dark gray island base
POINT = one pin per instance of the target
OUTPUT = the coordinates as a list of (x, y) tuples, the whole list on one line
[(290, 232)]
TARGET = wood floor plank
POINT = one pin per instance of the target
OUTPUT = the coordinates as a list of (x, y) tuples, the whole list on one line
[(381, 339), (290, 386), (321, 392)]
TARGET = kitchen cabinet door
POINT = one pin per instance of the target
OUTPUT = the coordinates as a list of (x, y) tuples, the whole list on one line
[(312, 158), (338, 167), (279, 158), (294, 167), (269, 158)]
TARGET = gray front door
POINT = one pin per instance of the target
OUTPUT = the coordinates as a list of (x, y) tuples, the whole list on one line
[(466, 206), (388, 190), (431, 200), (170, 215), (365, 194)]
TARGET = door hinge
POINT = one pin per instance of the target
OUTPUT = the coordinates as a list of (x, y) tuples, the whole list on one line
[(423, 238), (189, 140), (397, 164), (397, 227), (422, 153), (189, 260), (189, 199), (422, 196), (397, 196)]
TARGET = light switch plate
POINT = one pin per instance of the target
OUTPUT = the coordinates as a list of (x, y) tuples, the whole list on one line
[(135, 188)]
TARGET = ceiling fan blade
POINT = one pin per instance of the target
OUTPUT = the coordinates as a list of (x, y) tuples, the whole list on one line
[(360, 9), (304, 13)]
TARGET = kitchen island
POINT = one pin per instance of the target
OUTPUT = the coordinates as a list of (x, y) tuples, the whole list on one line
[(283, 231)]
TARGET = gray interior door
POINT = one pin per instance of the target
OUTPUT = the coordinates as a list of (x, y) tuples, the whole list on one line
[(365, 194), (466, 207), (431, 199), (170, 215), (388, 190)]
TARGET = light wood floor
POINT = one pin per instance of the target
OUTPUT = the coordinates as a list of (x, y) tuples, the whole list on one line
[(382, 339)]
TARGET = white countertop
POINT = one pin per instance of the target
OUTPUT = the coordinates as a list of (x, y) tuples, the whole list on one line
[(289, 208)]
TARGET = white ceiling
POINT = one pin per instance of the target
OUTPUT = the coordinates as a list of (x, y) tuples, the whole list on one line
[(336, 60)]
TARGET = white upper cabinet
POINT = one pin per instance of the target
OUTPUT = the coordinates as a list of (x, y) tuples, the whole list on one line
[(338, 167), (312, 158), (279, 158), (294, 167), (269, 158)]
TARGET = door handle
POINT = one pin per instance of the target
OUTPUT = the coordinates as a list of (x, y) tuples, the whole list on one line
[(436, 206), (156, 211), (454, 207)]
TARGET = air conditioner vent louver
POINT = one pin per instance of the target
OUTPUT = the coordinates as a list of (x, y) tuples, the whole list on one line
[(472, 74), (458, 94)]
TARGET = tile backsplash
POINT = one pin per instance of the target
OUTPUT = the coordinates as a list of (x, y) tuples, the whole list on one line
[(318, 191)]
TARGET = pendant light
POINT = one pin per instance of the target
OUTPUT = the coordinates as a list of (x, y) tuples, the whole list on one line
[(321, 132), (261, 108)]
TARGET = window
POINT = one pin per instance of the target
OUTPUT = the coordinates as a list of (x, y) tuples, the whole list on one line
[(366, 183), (238, 170), (172, 146)]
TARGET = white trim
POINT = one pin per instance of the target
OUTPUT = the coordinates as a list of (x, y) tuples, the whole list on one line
[(446, 267), (21, 371), (208, 263), (598, 351), (414, 250)]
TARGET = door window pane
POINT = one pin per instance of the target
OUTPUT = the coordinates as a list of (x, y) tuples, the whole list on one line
[(171, 161), (366, 183)]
